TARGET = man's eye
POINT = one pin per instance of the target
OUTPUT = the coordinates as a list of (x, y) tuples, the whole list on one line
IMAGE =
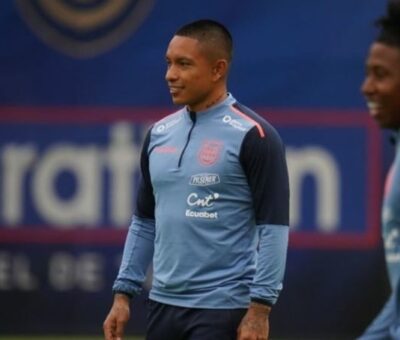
[(380, 73)]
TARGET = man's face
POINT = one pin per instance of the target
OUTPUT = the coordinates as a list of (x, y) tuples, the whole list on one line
[(381, 86), (190, 73)]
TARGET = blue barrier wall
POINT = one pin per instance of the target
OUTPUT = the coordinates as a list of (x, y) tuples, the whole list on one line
[(80, 82)]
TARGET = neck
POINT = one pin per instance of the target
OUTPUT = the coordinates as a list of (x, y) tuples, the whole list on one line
[(219, 97)]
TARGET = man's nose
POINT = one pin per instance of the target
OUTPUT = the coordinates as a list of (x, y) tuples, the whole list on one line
[(367, 87), (171, 74)]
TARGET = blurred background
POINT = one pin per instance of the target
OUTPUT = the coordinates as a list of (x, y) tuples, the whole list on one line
[(80, 83)]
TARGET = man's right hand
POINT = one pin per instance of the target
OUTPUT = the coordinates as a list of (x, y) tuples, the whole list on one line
[(117, 318)]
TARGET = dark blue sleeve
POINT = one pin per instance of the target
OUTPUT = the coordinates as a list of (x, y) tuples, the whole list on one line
[(263, 160), (145, 199), (264, 163)]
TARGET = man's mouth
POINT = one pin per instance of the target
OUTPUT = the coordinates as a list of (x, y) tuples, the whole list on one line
[(373, 107), (175, 89)]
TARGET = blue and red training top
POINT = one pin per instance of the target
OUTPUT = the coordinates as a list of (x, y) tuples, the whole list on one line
[(212, 210), (391, 220)]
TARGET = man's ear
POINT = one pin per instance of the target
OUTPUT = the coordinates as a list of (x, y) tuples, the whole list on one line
[(220, 69)]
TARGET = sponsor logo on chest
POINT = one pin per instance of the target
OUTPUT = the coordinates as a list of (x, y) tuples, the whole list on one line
[(205, 179), (165, 149), (194, 201), (161, 127), (233, 122)]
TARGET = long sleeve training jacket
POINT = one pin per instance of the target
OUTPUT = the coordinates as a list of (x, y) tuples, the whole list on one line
[(391, 220), (212, 210)]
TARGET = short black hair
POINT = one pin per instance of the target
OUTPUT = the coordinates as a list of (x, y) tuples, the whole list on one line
[(389, 25), (209, 31)]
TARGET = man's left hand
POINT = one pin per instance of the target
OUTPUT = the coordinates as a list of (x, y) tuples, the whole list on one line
[(255, 324)]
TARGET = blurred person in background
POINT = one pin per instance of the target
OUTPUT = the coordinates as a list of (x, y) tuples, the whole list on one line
[(381, 89), (212, 208)]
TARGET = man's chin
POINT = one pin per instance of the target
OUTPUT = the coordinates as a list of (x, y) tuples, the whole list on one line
[(178, 101)]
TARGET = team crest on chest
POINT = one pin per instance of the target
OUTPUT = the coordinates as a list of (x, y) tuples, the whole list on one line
[(210, 152)]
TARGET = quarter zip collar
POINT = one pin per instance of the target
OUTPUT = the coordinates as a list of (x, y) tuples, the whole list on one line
[(194, 117)]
